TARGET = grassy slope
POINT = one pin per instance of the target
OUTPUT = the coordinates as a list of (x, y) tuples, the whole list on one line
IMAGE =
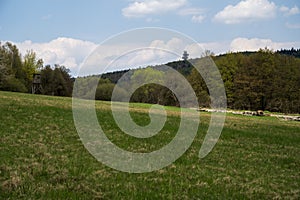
[(41, 156)]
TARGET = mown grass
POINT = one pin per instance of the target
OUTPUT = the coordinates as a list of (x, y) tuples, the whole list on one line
[(42, 157)]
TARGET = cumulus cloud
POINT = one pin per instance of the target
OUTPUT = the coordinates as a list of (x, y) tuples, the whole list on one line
[(114, 57), (290, 11), (254, 44), (247, 10), (73, 53), (153, 7), (216, 47), (158, 53), (117, 56), (147, 7), (197, 14), (64, 51)]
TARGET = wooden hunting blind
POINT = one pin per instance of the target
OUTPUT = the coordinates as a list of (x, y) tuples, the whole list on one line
[(37, 84)]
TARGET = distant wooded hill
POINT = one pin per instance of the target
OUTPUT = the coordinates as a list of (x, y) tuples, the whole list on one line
[(116, 75), (264, 80)]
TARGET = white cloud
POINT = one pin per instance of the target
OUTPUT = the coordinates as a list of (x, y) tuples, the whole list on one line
[(289, 11), (216, 47), (294, 11), (254, 44), (198, 18), (64, 51), (247, 10), (240, 45), (117, 56), (151, 7), (123, 56), (284, 9), (196, 13), (147, 7), (107, 57)]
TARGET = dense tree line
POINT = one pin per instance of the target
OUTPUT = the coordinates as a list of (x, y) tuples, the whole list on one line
[(263, 80), (290, 52), (114, 76), (16, 73), (56, 81)]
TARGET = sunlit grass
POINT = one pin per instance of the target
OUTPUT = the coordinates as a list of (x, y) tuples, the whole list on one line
[(42, 156)]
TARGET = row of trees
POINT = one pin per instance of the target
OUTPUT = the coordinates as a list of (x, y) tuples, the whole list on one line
[(290, 52), (94, 87), (56, 81), (16, 73)]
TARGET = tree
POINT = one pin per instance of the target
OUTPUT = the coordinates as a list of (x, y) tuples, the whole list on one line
[(69, 81), (147, 93), (56, 81), (31, 66), (47, 80), (104, 90), (12, 75)]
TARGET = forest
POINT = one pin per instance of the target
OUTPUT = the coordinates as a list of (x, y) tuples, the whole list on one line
[(262, 80)]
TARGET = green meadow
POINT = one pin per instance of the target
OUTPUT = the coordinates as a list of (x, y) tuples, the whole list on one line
[(42, 156)]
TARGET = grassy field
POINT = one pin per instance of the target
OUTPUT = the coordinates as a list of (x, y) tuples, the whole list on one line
[(42, 157)]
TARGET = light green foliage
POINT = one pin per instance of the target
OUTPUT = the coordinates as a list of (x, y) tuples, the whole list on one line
[(31, 65), (104, 90), (147, 75), (149, 92)]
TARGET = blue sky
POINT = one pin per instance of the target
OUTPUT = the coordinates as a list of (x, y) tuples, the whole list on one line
[(66, 31)]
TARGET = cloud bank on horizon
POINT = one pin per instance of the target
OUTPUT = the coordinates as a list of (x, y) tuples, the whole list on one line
[(72, 52)]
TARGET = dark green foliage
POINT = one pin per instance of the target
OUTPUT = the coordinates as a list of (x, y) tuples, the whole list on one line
[(56, 81), (114, 76), (104, 90), (14, 85), (12, 75), (290, 52), (263, 80), (200, 88), (184, 67), (16, 74)]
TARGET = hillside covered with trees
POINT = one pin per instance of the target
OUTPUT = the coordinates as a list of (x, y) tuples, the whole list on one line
[(262, 80)]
